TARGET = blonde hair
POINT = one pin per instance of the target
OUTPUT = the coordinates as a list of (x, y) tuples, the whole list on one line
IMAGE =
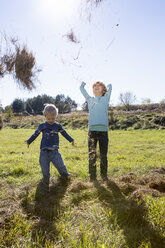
[(103, 86), (50, 109)]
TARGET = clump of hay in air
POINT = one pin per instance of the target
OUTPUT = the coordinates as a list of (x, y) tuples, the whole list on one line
[(19, 62), (72, 37), (24, 64)]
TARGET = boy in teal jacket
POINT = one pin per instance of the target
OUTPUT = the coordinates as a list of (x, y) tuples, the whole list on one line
[(98, 126)]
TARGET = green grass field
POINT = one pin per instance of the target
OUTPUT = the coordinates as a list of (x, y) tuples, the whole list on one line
[(127, 211)]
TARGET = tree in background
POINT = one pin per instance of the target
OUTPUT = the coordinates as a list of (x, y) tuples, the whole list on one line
[(36, 104), (127, 99), (146, 101), (162, 101), (65, 104), (85, 106), (28, 106), (8, 112), (72, 105), (162, 104), (18, 106)]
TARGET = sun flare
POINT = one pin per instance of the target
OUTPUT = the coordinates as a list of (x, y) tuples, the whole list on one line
[(58, 8)]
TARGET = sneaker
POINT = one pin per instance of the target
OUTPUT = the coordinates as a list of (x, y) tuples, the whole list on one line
[(65, 177), (71, 175)]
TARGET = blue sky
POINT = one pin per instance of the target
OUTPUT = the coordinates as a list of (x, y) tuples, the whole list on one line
[(123, 44)]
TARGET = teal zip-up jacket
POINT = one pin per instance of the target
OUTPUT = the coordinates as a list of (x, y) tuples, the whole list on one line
[(98, 109)]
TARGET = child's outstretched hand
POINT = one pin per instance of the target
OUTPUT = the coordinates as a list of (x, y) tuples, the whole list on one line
[(109, 86), (27, 143), (83, 84), (72, 143)]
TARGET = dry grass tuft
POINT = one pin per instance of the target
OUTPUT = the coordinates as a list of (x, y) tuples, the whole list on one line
[(131, 177), (18, 61), (153, 184), (128, 188), (158, 185), (24, 63), (79, 185), (140, 192)]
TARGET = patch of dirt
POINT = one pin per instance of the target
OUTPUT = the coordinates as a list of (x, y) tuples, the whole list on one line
[(129, 178), (140, 192), (160, 170)]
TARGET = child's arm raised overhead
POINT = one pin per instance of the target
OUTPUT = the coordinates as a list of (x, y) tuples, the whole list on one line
[(108, 93), (84, 92)]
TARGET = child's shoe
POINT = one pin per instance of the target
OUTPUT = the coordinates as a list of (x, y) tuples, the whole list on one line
[(65, 177)]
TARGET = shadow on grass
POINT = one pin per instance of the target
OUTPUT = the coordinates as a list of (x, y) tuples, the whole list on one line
[(130, 216), (46, 209)]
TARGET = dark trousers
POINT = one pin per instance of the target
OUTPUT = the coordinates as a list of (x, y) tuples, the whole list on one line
[(93, 138)]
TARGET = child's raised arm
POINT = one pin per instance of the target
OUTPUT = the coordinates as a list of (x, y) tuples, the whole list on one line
[(108, 93), (84, 92)]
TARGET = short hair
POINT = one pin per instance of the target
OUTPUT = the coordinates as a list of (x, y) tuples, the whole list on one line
[(50, 109), (102, 84)]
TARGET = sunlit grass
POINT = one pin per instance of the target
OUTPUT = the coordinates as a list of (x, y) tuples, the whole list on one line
[(80, 214)]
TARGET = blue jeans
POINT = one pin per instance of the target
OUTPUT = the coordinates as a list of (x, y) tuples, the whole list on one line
[(47, 156)]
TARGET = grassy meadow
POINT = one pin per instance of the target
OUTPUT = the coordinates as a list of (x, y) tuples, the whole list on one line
[(127, 211)]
